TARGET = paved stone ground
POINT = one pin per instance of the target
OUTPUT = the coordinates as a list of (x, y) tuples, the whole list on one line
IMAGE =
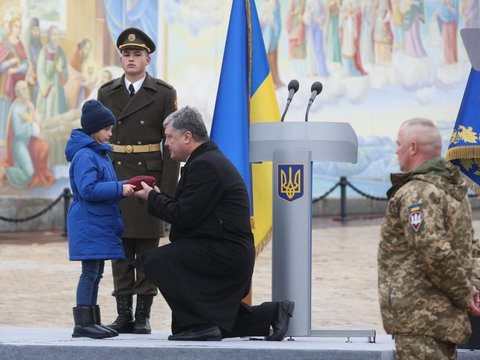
[(38, 281)]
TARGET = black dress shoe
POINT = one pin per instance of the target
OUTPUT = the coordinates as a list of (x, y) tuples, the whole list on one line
[(209, 334), (280, 324)]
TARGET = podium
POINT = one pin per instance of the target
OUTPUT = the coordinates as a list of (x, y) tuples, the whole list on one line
[(293, 147)]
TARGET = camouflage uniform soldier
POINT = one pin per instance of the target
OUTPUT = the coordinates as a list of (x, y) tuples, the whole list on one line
[(425, 252)]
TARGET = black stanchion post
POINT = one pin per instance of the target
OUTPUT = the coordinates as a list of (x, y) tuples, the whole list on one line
[(343, 198), (67, 196)]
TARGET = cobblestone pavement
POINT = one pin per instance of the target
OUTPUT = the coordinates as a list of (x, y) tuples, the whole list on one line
[(38, 281)]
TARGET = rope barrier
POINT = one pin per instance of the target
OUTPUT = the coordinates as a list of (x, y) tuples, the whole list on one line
[(327, 193), (65, 195), (358, 191), (371, 197), (344, 182)]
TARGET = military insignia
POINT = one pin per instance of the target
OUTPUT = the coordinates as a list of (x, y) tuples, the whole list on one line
[(290, 182), (416, 217), (131, 37)]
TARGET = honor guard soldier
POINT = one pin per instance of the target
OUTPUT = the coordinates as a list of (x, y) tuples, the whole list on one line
[(140, 104)]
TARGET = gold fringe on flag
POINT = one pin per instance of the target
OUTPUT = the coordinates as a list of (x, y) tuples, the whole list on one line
[(263, 243), (472, 185), (463, 152)]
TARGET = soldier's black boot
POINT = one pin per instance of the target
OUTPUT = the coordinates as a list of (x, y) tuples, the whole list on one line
[(142, 314), (84, 318), (124, 321), (98, 321)]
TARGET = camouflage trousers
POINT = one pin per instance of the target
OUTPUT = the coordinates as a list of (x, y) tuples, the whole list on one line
[(423, 348)]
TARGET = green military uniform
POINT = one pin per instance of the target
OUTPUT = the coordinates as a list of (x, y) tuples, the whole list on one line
[(425, 260), (138, 149), (136, 140)]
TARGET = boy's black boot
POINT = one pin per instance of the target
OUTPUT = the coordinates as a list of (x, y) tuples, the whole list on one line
[(85, 326), (98, 321)]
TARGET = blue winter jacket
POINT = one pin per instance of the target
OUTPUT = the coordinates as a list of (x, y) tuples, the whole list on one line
[(94, 223)]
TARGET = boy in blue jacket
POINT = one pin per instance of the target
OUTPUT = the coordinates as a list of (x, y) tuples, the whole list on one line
[(94, 223)]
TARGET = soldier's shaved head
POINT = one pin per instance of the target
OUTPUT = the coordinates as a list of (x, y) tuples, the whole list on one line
[(426, 133), (418, 140)]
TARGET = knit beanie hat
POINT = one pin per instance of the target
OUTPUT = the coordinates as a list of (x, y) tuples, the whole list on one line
[(95, 117)]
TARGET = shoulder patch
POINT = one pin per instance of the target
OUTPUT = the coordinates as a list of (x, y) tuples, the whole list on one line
[(415, 218)]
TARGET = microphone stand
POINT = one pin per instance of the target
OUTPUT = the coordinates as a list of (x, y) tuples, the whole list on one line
[(308, 110), (292, 89), (285, 111), (316, 89)]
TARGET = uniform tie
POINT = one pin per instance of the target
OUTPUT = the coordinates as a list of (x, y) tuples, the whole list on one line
[(131, 89)]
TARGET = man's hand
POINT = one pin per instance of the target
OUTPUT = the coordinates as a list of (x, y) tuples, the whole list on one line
[(143, 194)]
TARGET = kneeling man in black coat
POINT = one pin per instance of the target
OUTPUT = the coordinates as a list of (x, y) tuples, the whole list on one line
[(205, 271)]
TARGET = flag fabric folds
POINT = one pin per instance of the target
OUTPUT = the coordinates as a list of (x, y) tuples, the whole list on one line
[(246, 94), (464, 148)]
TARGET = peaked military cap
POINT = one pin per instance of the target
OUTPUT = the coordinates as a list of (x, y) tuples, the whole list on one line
[(133, 37)]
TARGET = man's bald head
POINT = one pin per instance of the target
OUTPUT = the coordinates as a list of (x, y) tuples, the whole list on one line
[(418, 140)]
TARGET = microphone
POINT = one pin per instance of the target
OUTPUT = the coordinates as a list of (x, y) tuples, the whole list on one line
[(292, 89), (315, 89)]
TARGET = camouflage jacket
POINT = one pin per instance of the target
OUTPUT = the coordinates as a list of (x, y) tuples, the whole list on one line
[(425, 254)]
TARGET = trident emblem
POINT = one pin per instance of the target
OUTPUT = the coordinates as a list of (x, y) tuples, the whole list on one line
[(290, 182)]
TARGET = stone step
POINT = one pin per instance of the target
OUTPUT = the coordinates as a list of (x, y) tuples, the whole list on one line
[(54, 343)]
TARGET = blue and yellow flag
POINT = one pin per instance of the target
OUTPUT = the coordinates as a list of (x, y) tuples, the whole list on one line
[(246, 95), (464, 148)]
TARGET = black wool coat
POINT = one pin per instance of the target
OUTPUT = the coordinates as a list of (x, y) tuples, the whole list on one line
[(140, 122), (206, 269)]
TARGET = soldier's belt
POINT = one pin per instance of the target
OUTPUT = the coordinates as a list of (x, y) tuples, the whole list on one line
[(128, 149)]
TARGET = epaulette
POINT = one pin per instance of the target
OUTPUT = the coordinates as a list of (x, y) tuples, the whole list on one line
[(107, 83), (164, 83)]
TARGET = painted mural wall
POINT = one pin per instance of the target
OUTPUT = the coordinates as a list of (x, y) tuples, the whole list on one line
[(380, 63)]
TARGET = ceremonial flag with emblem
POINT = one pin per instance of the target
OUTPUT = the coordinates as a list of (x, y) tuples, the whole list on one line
[(246, 95), (464, 148)]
